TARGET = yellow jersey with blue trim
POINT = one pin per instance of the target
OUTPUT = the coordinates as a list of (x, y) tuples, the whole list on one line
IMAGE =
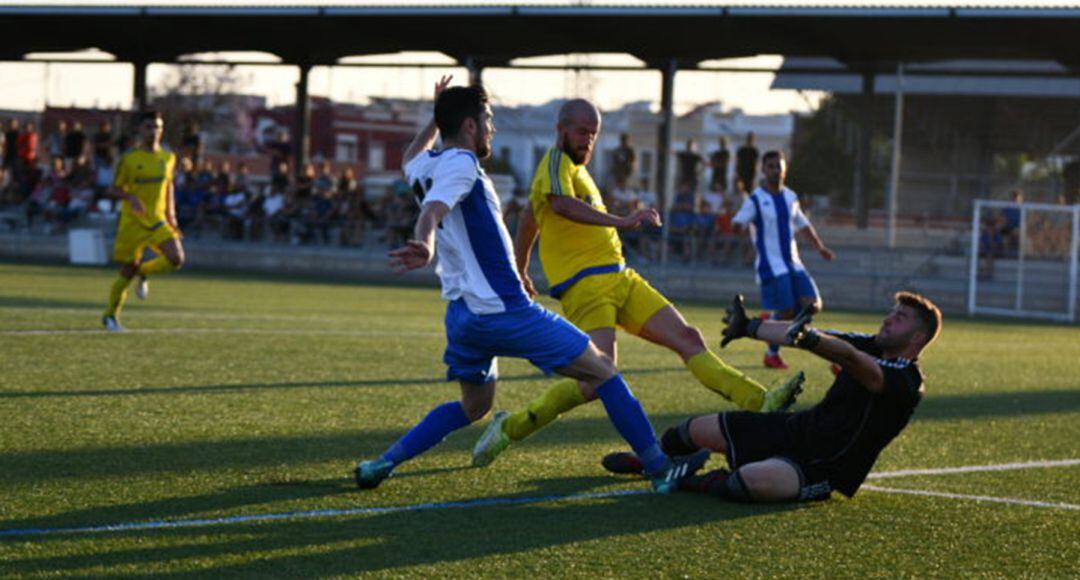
[(568, 247), (146, 175)]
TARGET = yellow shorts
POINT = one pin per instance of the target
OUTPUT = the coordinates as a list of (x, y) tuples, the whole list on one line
[(606, 300), (132, 239)]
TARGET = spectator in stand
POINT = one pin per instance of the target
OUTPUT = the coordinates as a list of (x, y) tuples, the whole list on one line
[(401, 214), (80, 183), (990, 244), (690, 168), (1010, 225), (709, 211), (281, 176), (225, 180), (103, 145), (719, 161), (236, 214), (242, 180), (191, 142), (273, 212), (323, 214), (280, 149), (28, 146), (353, 208), (74, 144), (746, 161), (623, 161), (195, 197), (325, 181), (103, 179), (305, 182), (623, 201), (11, 144), (682, 222), (55, 143), (41, 198)]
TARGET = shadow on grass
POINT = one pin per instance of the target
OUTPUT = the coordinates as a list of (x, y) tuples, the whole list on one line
[(976, 405), (29, 302), (352, 545), (233, 388), (268, 453)]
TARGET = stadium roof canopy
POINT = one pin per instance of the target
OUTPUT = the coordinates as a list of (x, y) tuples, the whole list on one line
[(867, 37)]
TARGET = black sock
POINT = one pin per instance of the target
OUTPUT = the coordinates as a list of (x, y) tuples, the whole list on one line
[(676, 440)]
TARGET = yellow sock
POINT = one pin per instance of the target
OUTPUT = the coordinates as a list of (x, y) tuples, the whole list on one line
[(717, 375), (159, 265), (117, 295), (558, 399)]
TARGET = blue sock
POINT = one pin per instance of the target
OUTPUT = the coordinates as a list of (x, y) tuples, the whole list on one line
[(629, 418), (774, 349), (440, 422)]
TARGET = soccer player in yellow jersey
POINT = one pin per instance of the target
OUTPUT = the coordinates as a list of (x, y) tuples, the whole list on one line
[(144, 184), (583, 262)]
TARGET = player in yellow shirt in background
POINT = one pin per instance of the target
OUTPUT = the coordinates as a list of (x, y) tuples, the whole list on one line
[(583, 262), (144, 183)]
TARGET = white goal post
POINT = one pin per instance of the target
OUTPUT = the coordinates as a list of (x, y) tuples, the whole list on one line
[(1024, 260)]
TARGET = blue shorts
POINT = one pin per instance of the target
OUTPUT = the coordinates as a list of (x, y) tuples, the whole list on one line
[(473, 341), (783, 292)]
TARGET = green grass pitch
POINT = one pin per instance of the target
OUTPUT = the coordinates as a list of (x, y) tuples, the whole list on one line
[(239, 396)]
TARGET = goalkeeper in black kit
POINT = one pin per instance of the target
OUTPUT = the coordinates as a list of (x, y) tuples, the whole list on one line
[(831, 446)]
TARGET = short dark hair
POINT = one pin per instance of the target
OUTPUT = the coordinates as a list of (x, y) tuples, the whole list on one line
[(148, 115), (771, 154), (456, 104), (928, 312)]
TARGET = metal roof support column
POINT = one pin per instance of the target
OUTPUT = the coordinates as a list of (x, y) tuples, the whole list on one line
[(862, 153), (138, 89), (898, 140), (476, 71), (663, 148), (302, 139)]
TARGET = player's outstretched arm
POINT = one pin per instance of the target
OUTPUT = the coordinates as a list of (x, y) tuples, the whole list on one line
[(418, 252), (578, 211), (425, 139), (800, 334), (523, 245)]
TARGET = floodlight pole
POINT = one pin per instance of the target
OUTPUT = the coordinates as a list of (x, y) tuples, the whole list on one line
[(894, 177), (302, 139), (663, 149)]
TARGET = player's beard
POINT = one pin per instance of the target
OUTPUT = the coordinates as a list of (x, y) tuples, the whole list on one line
[(579, 157), (483, 145)]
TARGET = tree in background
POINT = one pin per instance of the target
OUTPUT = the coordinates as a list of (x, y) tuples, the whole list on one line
[(823, 156), (208, 97)]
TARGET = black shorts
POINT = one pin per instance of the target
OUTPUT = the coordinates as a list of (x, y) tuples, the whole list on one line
[(753, 437)]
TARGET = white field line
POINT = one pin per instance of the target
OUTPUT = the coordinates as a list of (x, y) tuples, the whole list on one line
[(979, 498), (196, 315), (285, 331), (974, 468), (497, 501)]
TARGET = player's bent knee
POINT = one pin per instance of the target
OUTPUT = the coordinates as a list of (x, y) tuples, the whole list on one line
[(476, 410), (693, 338)]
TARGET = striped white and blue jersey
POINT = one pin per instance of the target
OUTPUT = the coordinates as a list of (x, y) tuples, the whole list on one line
[(475, 256), (773, 219)]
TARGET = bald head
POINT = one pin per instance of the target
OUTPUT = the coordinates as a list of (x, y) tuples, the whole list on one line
[(578, 110), (579, 125)]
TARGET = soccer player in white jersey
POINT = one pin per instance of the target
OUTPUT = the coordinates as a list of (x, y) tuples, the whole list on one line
[(489, 312), (773, 214)]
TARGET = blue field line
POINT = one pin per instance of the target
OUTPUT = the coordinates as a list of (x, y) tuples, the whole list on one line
[(362, 511)]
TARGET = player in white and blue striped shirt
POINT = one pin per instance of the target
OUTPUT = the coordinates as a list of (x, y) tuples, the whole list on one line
[(489, 313), (773, 214)]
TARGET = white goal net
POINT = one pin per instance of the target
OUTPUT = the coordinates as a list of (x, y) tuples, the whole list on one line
[(1024, 260)]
